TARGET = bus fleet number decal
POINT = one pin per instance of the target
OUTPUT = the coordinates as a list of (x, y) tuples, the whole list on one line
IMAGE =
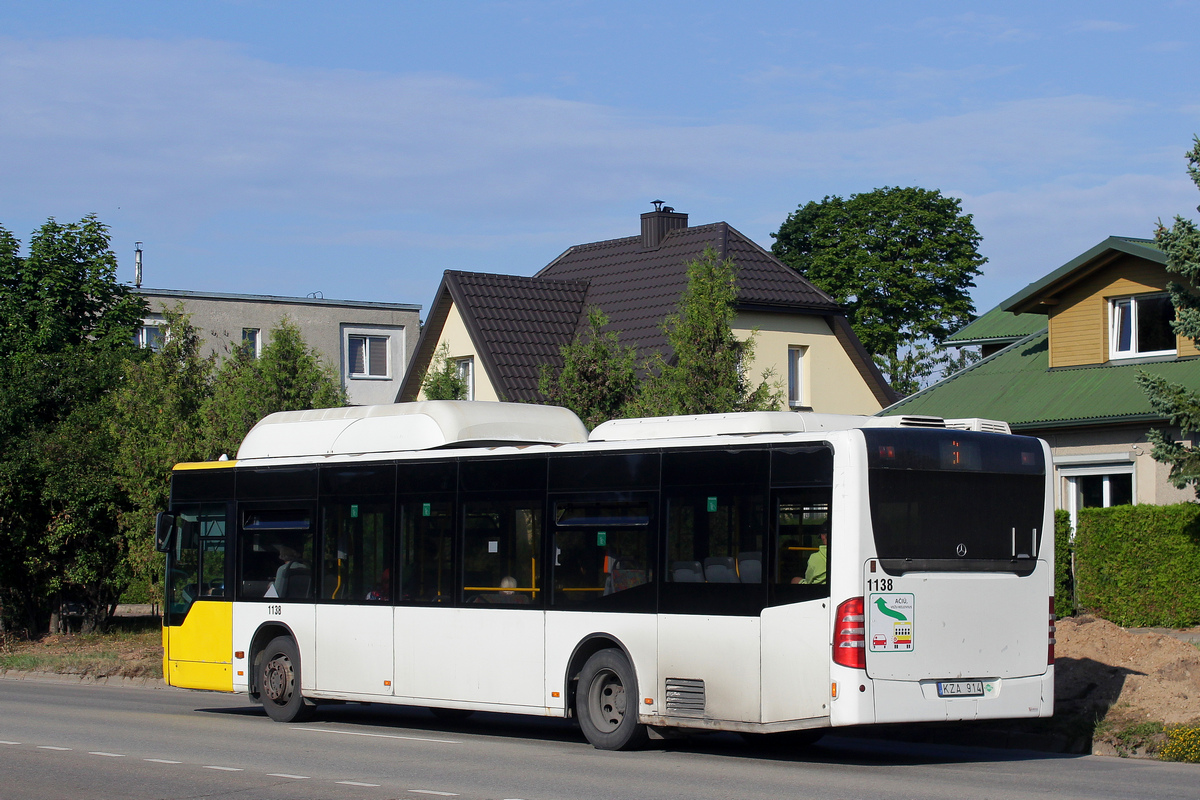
[(890, 622), (879, 584), (276, 610)]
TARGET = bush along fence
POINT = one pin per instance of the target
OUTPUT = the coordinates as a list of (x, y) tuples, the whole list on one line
[(1135, 565), (1064, 581)]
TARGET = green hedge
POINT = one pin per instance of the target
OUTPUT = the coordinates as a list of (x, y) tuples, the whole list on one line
[(1064, 582), (1138, 565)]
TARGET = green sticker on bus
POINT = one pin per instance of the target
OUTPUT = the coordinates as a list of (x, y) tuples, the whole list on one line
[(712, 504), (354, 511), (601, 538), (425, 509)]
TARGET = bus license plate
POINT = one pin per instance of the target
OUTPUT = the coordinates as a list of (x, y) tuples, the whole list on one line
[(960, 688)]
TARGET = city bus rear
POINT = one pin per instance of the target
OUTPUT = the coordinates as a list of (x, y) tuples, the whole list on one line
[(951, 617)]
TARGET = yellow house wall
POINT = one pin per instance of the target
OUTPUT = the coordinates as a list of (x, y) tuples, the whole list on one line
[(1079, 324), (832, 384), (455, 335)]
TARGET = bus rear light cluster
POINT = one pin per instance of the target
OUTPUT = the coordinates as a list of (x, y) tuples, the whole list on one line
[(1051, 633), (850, 635)]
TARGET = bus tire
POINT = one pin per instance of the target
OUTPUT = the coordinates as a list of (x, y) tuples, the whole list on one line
[(279, 682), (606, 702)]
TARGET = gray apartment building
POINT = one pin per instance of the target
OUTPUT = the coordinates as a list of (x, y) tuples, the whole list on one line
[(368, 343)]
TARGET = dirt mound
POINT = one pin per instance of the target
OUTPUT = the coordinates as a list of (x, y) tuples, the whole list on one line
[(1125, 676)]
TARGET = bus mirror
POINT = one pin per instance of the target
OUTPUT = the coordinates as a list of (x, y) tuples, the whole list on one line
[(164, 524)]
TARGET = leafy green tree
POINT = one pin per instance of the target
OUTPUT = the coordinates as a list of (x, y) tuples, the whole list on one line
[(705, 374), (442, 380), (1181, 244), (901, 261), (66, 329), (157, 422), (598, 377), (288, 376)]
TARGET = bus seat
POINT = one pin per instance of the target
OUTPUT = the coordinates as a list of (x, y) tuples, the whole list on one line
[(750, 567), (687, 572), (719, 569)]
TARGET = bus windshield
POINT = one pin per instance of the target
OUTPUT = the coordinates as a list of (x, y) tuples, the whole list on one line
[(955, 501)]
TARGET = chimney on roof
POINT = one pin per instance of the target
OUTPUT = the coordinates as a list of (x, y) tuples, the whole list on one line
[(658, 223)]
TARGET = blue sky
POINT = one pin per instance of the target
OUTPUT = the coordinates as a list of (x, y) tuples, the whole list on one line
[(359, 149)]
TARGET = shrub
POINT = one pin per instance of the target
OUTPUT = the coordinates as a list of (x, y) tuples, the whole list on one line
[(1136, 565), (1064, 580)]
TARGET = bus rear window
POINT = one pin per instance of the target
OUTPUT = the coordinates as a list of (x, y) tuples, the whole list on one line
[(955, 501)]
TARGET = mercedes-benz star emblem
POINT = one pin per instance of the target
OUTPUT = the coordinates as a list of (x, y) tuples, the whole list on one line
[(961, 550)]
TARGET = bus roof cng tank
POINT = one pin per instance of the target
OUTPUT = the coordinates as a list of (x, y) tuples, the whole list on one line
[(398, 427)]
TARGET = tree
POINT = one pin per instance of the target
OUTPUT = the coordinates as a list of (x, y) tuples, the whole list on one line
[(598, 377), (1181, 244), (156, 421), (66, 329), (900, 260), (442, 380), (288, 376), (706, 372)]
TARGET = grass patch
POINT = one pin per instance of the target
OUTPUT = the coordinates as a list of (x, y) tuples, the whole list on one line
[(131, 649)]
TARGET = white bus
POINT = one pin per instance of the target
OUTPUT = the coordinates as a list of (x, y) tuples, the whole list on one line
[(763, 572)]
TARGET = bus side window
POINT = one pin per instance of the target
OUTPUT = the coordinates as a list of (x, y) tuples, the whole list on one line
[(801, 545), (501, 551), (277, 551), (715, 536), (357, 551), (426, 550)]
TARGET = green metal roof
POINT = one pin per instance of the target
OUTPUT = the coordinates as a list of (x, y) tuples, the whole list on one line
[(1016, 385), (998, 325), (1144, 248)]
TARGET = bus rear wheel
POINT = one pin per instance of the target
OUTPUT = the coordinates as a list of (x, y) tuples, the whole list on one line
[(279, 682), (606, 702)]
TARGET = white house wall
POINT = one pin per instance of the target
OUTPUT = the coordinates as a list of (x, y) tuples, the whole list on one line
[(455, 336), (833, 385)]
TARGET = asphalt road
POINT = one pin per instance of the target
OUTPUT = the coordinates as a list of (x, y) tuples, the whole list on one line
[(66, 740)]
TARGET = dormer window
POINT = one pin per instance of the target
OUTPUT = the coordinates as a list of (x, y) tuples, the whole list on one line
[(1141, 326)]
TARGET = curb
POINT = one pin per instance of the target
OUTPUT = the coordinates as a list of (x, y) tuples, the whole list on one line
[(91, 680)]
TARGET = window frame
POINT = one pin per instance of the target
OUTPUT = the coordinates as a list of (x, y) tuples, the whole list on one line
[(796, 384), (367, 334), (468, 374), (1114, 324), (142, 340), (255, 339)]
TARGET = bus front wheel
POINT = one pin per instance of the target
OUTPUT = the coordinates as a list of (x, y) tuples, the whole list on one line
[(606, 702), (279, 682)]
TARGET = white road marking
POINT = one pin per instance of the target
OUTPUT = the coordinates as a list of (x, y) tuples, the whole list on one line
[(285, 775), (108, 755), (431, 791), (377, 735), (356, 783), (50, 747), (228, 769), (161, 761), (3, 742)]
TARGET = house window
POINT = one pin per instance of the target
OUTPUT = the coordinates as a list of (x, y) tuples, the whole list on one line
[(795, 373), (367, 356), (466, 371), (1141, 326), (252, 341), (150, 335), (1096, 484)]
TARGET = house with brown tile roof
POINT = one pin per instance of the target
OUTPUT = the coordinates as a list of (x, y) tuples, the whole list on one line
[(502, 328)]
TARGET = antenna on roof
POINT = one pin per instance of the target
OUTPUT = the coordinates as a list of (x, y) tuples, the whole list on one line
[(137, 264)]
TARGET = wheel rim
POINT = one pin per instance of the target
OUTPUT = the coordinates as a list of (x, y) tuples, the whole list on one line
[(606, 701), (279, 679)]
